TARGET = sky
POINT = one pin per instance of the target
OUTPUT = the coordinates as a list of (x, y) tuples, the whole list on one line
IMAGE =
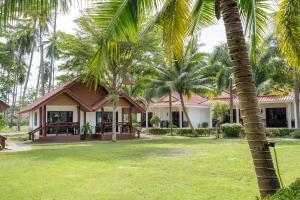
[(211, 37)]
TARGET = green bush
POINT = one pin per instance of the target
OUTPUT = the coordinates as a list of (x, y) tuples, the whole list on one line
[(295, 134), (280, 132), (232, 130), (155, 120), (182, 131), (204, 125), (289, 193), (159, 131)]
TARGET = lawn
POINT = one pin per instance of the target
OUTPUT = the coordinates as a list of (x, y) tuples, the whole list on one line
[(7, 129), (167, 169)]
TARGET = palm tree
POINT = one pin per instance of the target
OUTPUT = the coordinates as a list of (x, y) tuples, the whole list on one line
[(121, 21), (288, 33), (221, 60), (161, 84)]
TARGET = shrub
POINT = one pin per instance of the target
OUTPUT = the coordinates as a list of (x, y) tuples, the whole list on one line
[(159, 131), (289, 193), (204, 125), (232, 130), (295, 134), (280, 132), (155, 120), (182, 131)]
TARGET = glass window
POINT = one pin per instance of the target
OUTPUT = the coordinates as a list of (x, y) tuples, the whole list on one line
[(35, 118)]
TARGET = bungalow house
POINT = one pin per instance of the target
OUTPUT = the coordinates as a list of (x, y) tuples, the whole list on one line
[(276, 111), (61, 114)]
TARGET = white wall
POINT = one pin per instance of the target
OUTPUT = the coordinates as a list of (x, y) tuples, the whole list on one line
[(198, 115)]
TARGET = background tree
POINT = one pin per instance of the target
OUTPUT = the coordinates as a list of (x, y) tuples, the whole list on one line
[(223, 71)]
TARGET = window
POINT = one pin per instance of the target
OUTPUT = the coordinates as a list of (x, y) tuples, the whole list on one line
[(106, 117), (59, 116), (35, 118)]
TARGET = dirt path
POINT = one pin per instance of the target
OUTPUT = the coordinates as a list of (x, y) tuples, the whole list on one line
[(15, 146)]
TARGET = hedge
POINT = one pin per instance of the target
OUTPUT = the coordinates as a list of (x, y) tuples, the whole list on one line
[(289, 193), (280, 132), (182, 131)]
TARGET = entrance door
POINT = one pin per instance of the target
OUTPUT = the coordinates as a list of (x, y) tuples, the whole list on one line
[(175, 118), (276, 117), (106, 118)]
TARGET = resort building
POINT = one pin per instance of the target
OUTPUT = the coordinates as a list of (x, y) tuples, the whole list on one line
[(61, 114), (276, 111)]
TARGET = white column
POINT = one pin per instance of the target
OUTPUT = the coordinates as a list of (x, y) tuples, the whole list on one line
[(289, 114), (210, 125), (296, 124), (159, 125), (146, 119), (237, 113), (180, 117)]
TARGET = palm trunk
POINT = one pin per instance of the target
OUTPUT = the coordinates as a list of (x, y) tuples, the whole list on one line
[(42, 70), (114, 132), (231, 101), (170, 113), (12, 111), (268, 182), (51, 75), (186, 115), (37, 85), (296, 95), (27, 75), (20, 105)]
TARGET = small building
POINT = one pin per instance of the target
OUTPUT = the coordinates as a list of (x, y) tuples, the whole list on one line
[(276, 111), (61, 114), (3, 106)]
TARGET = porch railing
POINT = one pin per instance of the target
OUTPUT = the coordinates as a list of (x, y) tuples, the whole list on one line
[(63, 125)]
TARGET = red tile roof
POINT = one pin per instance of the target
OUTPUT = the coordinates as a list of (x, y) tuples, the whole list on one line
[(175, 98)]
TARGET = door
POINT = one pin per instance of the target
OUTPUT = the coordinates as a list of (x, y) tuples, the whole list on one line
[(106, 118), (175, 118), (276, 117)]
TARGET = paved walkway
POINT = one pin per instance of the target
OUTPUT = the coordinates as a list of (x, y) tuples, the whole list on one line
[(144, 136), (15, 146)]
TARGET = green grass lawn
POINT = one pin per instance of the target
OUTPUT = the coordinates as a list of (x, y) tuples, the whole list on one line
[(171, 168), (7, 129)]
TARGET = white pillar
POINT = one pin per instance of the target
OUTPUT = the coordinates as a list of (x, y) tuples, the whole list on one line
[(296, 124), (289, 114), (146, 119), (237, 110), (210, 125), (180, 117), (159, 126)]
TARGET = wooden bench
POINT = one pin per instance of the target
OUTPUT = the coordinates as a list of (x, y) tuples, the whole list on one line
[(2, 142)]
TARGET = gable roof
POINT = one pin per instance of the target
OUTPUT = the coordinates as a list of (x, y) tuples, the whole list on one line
[(90, 99), (3, 105), (195, 100)]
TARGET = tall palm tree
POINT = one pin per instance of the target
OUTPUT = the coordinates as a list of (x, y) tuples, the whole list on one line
[(221, 60), (121, 20), (161, 84)]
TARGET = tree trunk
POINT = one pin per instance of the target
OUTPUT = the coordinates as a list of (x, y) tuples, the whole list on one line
[(20, 105), (114, 132), (231, 101), (51, 75), (170, 112), (27, 75), (12, 111), (186, 114), (42, 70), (268, 182), (296, 95)]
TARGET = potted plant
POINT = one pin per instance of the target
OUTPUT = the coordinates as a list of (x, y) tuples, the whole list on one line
[(87, 131)]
